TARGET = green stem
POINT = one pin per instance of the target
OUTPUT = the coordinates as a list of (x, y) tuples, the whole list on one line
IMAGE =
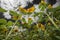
[(52, 21), (10, 30)]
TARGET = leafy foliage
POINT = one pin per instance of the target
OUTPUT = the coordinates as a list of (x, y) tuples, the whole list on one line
[(46, 28)]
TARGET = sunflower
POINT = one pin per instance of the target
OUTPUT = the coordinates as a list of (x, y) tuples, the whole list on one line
[(41, 26), (29, 10)]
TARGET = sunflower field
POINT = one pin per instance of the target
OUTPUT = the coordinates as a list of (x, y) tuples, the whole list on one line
[(47, 26)]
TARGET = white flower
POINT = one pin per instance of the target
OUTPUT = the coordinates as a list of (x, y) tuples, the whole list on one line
[(36, 18), (36, 8), (9, 4), (7, 15), (22, 30)]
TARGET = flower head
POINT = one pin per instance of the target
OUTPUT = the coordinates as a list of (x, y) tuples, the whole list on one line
[(49, 6), (30, 10), (41, 26)]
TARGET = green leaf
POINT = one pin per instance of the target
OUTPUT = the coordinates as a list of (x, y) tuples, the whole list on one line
[(3, 21), (42, 7), (56, 14), (54, 9), (51, 10), (30, 21), (10, 23), (57, 37), (18, 24), (36, 14), (2, 26), (41, 16), (2, 10), (14, 13), (23, 20), (57, 8)]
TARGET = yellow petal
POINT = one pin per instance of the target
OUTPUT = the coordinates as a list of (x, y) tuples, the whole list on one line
[(31, 9), (22, 9), (49, 6), (42, 27), (29, 18), (27, 10), (49, 23)]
